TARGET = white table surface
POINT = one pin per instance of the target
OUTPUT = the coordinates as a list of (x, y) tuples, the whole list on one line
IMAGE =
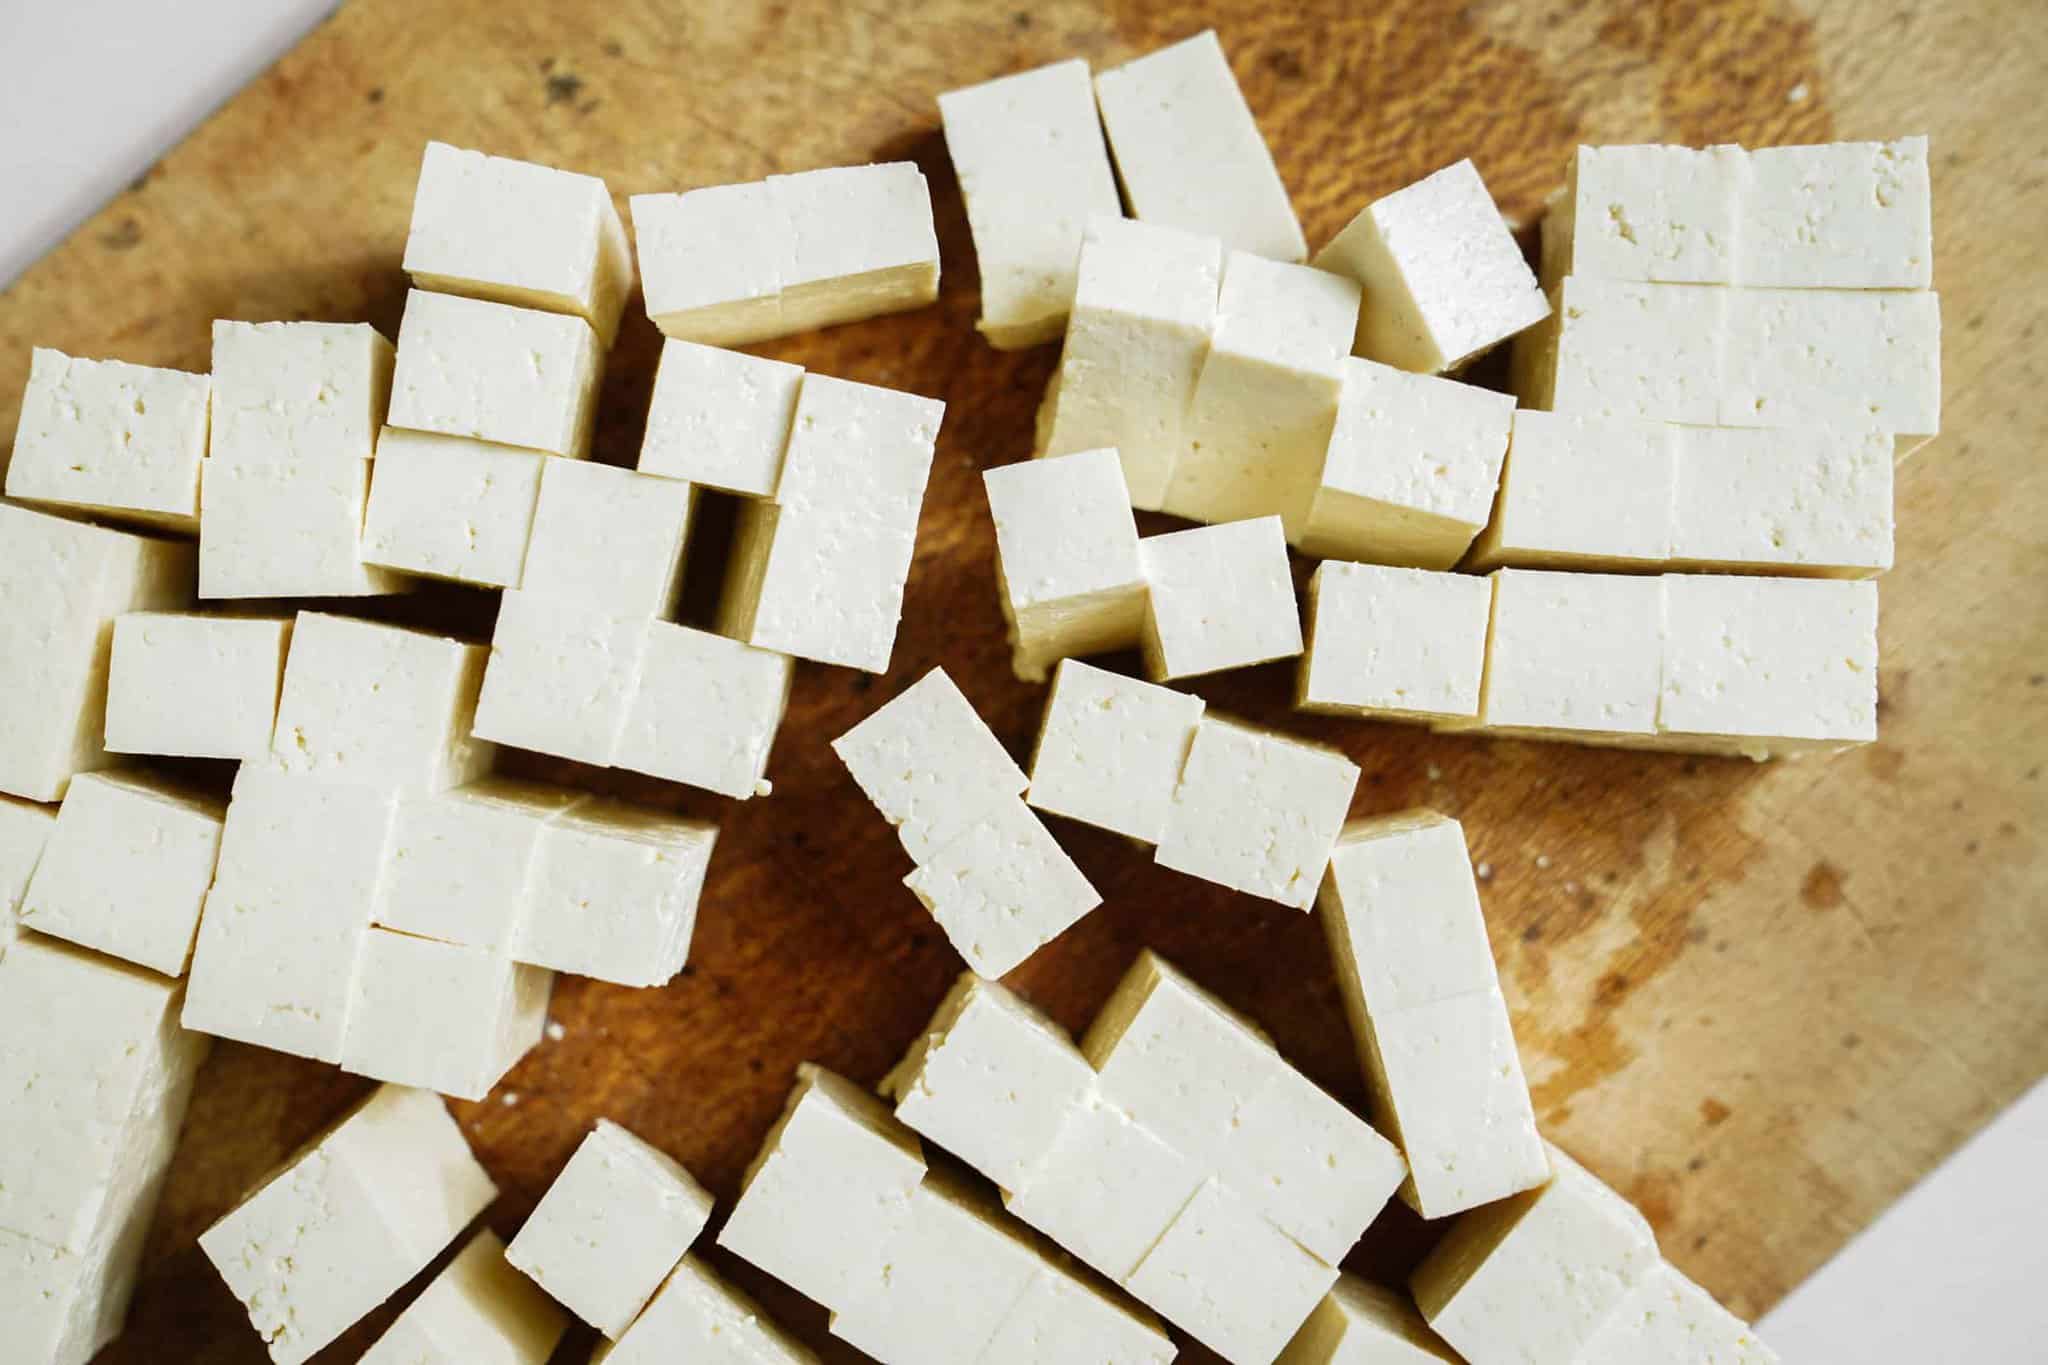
[(93, 91)]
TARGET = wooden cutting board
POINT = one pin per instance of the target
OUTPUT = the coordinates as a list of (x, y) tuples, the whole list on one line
[(1760, 1000)]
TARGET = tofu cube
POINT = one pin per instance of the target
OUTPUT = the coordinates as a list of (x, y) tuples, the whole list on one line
[(1189, 152), (1672, 215), (1846, 215), (1063, 1316), (478, 1310), (712, 262), (452, 507), (1841, 357), (1799, 500), (1584, 493), (1762, 666), (1622, 349), (127, 868), (706, 711), (195, 686), (829, 1192), (514, 232), (492, 372), (991, 1081), (1573, 656), (561, 678), (1066, 558), (720, 418), (697, 1316), (24, 832), (1257, 812), (1668, 1317), (462, 862), (1027, 150), (291, 529), (63, 1308), (292, 900), (615, 891), (1111, 749), (1230, 1279), (819, 572), (367, 702), (1411, 469), (610, 1229), (1393, 644), (929, 763), (62, 583), (1144, 306), (1108, 1189), (1359, 1323), (1401, 909), (441, 1016), (301, 394), (1220, 597), (112, 439), (1534, 1277), (1309, 1166), (1002, 888), (355, 1216), (610, 539)]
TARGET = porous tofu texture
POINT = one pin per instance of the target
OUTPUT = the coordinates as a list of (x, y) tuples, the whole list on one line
[(511, 376), (1220, 597), (1574, 654), (697, 1316), (116, 440), (478, 1310), (195, 686), (720, 418), (24, 831), (561, 678), (452, 507), (287, 529), (1111, 749), (614, 893), (929, 763), (441, 1016), (1359, 1323), (1066, 558), (1668, 1317), (1393, 644), (1002, 887), (297, 393), (608, 538), (462, 862), (706, 711)]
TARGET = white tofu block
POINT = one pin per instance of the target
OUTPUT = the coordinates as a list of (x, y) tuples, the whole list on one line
[(706, 711), (297, 393), (1852, 358), (477, 1311), (1309, 1166), (514, 232), (561, 678), (354, 1217), (1573, 655), (828, 1193), (510, 376), (1762, 666), (1027, 150), (697, 1316), (1257, 812), (1401, 907), (127, 868), (1444, 281), (1063, 1316), (1189, 152), (1393, 644), (1585, 493), (1111, 749), (1531, 1279), (195, 686), (452, 507), (1620, 349), (441, 1016), (301, 864), (950, 1278), (1845, 215), (1230, 1279), (712, 262), (1108, 1190), (367, 702), (1811, 500), (112, 439), (62, 583), (611, 1228), (1410, 472), (615, 891), (1359, 1323), (60, 1308), (1144, 306), (24, 832), (991, 1081), (1220, 597), (1260, 421), (1002, 888), (462, 862), (1066, 558), (819, 572), (1668, 214), (287, 530), (1668, 1317), (928, 763), (720, 418), (609, 539)]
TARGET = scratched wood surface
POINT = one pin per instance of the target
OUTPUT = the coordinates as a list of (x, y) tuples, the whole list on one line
[(1760, 1000)]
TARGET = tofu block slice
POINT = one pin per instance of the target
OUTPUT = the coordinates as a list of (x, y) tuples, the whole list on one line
[(25, 829), (1360, 1323), (1108, 1190), (1257, 811), (1672, 215), (1668, 1317), (1584, 493), (1793, 500), (1066, 1316), (441, 1016), (451, 507), (1220, 597), (519, 233), (1111, 750), (1027, 150), (706, 711), (561, 678), (493, 372), (1444, 281), (115, 440), (1066, 558), (1575, 656), (297, 393), (610, 539), (1002, 887), (462, 866), (610, 1229), (477, 1310), (1190, 153), (720, 418), (356, 1215), (615, 891), (929, 763), (697, 1316), (288, 529), (190, 685), (1393, 644)]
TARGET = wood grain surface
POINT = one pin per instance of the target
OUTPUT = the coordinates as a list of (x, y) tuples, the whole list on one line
[(1760, 1000)]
